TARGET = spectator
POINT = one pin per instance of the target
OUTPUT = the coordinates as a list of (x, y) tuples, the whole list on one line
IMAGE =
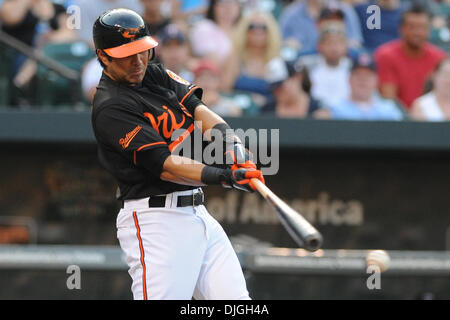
[(291, 50), (20, 18), (272, 6), (290, 86), (64, 46), (174, 52), (89, 12), (90, 77), (256, 42), (440, 33), (154, 16), (298, 23), (435, 105), (207, 77), (441, 7), (405, 64), (427, 5), (329, 14), (364, 103), (390, 16), (187, 12), (211, 38), (331, 69)]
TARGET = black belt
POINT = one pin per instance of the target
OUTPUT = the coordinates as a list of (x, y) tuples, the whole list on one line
[(196, 199)]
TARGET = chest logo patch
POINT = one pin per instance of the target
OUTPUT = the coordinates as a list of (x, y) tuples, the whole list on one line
[(125, 142), (177, 78)]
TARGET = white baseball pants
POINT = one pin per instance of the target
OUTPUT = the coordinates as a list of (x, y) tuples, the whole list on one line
[(177, 253)]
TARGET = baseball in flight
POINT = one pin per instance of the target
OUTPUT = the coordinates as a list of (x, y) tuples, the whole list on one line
[(379, 258)]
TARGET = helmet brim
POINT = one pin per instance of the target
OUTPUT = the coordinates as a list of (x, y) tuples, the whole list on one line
[(132, 48)]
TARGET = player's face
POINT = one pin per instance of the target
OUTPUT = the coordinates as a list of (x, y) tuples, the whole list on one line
[(129, 70)]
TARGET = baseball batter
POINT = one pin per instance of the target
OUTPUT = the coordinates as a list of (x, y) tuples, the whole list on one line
[(174, 248)]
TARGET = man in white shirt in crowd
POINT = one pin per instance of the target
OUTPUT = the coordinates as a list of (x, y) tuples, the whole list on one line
[(330, 69)]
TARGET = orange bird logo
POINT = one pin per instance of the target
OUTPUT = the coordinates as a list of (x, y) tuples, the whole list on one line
[(130, 33)]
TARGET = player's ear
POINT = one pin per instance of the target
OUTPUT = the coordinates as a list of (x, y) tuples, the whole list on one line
[(104, 59)]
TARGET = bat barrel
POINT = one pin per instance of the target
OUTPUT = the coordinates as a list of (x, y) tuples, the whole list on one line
[(303, 233), (313, 242)]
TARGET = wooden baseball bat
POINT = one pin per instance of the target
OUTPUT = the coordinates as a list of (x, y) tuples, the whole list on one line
[(303, 233)]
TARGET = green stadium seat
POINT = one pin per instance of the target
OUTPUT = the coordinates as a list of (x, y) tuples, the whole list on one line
[(53, 89)]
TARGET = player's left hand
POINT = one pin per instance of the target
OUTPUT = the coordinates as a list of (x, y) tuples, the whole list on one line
[(237, 156), (242, 178)]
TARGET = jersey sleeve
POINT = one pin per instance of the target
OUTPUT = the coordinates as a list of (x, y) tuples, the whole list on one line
[(130, 134)]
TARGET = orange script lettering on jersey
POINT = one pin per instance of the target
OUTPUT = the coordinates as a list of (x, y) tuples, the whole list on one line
[(163, 122), (125, 142)]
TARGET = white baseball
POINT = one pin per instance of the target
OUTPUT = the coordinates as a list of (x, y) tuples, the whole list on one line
[(379, 258)]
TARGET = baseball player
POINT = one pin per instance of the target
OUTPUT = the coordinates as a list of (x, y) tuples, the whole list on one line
[(174, 248)]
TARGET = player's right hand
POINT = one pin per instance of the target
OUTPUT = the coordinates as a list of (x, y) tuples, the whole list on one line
[(241, 178)]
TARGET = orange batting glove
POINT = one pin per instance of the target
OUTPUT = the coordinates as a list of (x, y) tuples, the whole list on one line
[(241, 178), (239, 157)]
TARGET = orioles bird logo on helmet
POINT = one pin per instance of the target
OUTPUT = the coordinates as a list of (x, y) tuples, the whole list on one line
[(130, 33)]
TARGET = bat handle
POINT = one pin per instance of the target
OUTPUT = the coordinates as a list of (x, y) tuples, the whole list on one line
[(262, 188)]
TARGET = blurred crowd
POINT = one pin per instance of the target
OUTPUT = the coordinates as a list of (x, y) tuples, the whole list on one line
[(320, 59)]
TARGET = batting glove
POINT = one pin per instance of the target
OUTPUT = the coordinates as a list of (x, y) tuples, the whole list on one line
[(237, 156), (241, 179)]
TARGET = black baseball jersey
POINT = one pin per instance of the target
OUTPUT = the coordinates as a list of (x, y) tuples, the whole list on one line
[(133, 126)]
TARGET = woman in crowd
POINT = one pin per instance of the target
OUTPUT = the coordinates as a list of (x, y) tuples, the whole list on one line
[(435, 105), (255, 43), (211, 37)]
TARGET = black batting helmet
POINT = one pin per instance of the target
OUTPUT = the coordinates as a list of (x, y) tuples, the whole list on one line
[(122, 33)]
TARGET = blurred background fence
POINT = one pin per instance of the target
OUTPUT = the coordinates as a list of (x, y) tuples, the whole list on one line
[(364, 185), (42, 272)]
